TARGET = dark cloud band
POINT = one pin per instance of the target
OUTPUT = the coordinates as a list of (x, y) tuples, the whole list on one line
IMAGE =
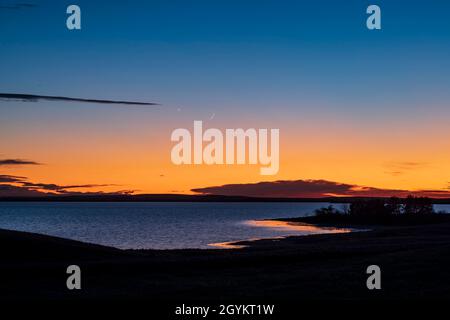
[(16, 162), (9, 179), (16, 186), (312, 189), (33, 98)]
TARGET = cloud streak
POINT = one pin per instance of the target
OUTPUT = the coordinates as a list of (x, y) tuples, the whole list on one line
[(312, 189), (10, 179), (35, 98), (399, 168), (16, 186), (60, 188), (17, 162)]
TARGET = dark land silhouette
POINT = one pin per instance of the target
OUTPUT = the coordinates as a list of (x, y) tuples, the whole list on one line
[(414, 256), (189, 198), (377, 212)]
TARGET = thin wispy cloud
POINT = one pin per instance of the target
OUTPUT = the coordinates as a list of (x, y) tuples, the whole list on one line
[(17, 162), (61, 188), (398, 168), (12, 186), (10, 179), (17, 186), (394, 173), (35, 98), (406, 165)]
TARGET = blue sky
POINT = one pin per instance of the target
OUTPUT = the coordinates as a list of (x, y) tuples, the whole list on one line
[(216, 53)]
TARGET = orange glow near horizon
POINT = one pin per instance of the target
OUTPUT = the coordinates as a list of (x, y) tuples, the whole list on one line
[(139, 158)]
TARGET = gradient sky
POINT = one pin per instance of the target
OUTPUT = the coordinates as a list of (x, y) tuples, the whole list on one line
[(367, 108)]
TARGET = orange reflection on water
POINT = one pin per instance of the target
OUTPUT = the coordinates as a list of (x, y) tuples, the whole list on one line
[(235, 245), (226, 245), (295, 226), (304, 229)]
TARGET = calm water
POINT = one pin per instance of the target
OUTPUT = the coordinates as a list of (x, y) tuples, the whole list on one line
[(150, 225), (154, 225)]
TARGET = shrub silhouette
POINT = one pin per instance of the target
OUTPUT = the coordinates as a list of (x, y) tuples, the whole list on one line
[(369, 208), (417, 206), (392, 211), (393, 206), (327, 211)]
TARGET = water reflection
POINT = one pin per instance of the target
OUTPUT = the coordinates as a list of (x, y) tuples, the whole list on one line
[(294, 228)]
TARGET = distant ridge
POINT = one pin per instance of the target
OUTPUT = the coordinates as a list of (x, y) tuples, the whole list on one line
[(184, 198)]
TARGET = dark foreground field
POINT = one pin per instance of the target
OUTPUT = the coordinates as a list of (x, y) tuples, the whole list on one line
[(415, 263)]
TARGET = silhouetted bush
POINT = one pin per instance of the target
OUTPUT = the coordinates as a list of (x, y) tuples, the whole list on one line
[(368, 208), (418, 206), (394, 206), (327, 211), (412, 210)]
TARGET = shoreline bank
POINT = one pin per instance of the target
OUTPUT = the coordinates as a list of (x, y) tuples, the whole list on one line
[(414, 260)]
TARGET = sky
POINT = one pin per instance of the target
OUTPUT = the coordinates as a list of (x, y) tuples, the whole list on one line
[(355, 107)]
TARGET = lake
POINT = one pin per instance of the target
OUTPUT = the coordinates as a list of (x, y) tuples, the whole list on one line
[(156, 225)]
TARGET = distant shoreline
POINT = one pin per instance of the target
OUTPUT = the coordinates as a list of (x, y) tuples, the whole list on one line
[(188, 198), (341, 225)]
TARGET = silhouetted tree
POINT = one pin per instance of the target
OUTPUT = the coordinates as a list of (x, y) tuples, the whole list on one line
[(368, 208), (393, 211), (330, 210), (394, 206), (418, 205)]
